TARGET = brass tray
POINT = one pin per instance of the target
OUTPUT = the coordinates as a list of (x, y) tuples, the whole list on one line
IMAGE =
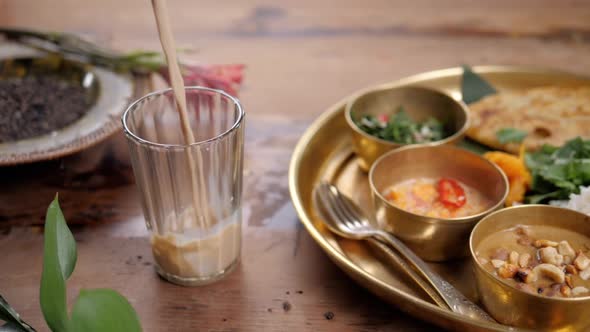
[(324, 153)]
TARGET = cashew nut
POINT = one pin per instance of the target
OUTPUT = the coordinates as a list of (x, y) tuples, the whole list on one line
[(524, 260), (507, 271), (549, 271), (549, 255), (513, 258), (582, 261), (579, 290), (497, 263), (500, 254), (571, 269), (569, 281), (545, 243), (565, 249)]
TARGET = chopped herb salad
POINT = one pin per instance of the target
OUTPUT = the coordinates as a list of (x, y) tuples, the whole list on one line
[(400, 128)]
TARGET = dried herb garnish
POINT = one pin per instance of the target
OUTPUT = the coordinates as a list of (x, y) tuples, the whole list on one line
[(400, 128)]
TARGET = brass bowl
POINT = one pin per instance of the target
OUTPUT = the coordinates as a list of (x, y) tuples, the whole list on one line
[(418, 102), (515, 307), (434, 239)]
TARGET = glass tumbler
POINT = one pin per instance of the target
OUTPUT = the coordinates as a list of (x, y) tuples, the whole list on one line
[(191, 194)]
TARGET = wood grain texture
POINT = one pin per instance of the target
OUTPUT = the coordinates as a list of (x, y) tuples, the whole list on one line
[(301, 57)]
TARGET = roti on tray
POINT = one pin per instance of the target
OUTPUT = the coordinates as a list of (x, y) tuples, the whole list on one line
[(549, 115)]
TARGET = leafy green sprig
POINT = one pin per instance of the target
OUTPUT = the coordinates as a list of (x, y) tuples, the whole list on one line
[(95, 310), (400, 128), (559, 172)]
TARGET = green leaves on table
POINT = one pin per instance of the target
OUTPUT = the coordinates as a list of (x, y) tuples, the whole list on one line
[(94, 310), (13, 321), (559, 172), (510, 135), (474, 87), (59, 260), (101, 310)]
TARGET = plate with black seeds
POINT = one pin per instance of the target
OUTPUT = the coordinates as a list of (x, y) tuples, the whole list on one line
[(51, 107)]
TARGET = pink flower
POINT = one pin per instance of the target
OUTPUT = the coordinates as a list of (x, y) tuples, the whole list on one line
[(223, 77)]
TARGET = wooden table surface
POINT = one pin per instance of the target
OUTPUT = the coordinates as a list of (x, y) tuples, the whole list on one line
[(301, 56)]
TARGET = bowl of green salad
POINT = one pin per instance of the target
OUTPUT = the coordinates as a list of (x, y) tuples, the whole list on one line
[(384, 119)]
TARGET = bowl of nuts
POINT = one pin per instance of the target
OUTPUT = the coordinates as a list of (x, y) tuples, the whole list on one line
[(532, 267)]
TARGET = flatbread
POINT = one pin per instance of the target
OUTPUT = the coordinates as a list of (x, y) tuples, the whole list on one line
[(550, 115)]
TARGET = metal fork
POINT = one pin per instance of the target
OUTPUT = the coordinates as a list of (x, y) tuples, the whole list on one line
[(345, 218)]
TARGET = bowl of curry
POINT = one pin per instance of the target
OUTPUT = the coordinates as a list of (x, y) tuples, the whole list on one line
[(532, 267), (431, 197)]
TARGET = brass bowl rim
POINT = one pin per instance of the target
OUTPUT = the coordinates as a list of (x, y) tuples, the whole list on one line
[(460, 220), (457, 134), (497, 280)]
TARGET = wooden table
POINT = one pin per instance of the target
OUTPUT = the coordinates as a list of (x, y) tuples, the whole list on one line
[(302, 56)]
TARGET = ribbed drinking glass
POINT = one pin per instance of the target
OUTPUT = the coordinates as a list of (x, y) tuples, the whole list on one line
[(191, 194)]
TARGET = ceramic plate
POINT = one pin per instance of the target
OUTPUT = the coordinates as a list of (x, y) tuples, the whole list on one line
[(110, 93)]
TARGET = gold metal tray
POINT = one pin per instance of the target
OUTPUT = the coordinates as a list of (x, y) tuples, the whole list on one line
[(324, 153)]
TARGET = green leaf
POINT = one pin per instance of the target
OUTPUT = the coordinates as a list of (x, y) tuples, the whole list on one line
[(559, 172), (59, 260), (474, 87), (546, 197), (100, 310), (12, 318), (473, 146), (510, 135)]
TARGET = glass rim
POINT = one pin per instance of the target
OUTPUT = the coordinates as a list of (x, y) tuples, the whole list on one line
[(140, 140)]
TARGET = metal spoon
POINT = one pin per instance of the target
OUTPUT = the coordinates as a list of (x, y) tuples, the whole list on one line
[(345, 218)]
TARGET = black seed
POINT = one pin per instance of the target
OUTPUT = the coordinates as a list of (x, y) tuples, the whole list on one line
[(540, 290), (286, 306), (329, 315)]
